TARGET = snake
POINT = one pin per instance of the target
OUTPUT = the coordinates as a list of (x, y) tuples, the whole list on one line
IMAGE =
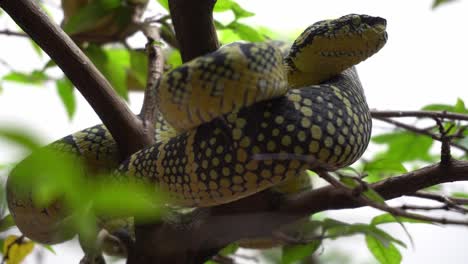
[(234, 123)]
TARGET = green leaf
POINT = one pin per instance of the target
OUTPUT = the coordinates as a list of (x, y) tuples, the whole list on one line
[(49, 248), (114, 64), (6, 223), (246, 32), (65, 91), (174, 59), (87, 16), (35, 77), (404, 146), (388, 218), (36, 48), (294, 253), (164, 3), (385, 254), (437, 3), (238, 11), (137, 71), (460, 107), (380, 168), (20, 137), (229, 249)]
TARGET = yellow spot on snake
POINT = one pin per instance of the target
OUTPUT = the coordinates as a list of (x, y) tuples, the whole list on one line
[(236, 133), (201, 186), (275, 132), (250, 177), (213, 185), (240, 122), (328, 142), (294, 164), (290, 128), (237, 180), (306, 111), (204, 164), (208, 152), (215, 162), (225, 183), (301, 136), (314, 146), (337, 150), (295, 97), (245, 142), (279, 169), (252, 165), (279, 120), (228, 158), (316, 132), (239, 168), (219, 149), (331, 128), (265, 174), (226, 171), (305, 122), (298, 150), (324, 154), (213, 174), (241, 155), (266, 114), (271, 145), (260, 137), (286, 141)]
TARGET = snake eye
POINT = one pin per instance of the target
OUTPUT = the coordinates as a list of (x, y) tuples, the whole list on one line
[(356, 20)]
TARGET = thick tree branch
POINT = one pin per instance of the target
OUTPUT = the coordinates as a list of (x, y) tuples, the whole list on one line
[(124, 126), (194, 27)]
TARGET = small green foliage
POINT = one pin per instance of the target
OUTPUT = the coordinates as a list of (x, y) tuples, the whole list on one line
[(164, 3), (388, 218), (245, 32), (34, 78), (385, 253), (65, 91), (378, 169), (294, 253), (174, 59), (114, 64), (438, 3), (404, 146), (6, 223), (228, 250), (230, 5), (87, 16), (458, 107)]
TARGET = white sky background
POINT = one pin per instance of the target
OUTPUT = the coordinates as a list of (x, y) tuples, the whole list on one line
[(424, 62)]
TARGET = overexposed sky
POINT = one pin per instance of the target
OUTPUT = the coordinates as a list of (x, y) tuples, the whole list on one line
[(423, 62)]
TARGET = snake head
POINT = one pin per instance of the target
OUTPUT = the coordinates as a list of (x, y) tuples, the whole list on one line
[(330, 46)]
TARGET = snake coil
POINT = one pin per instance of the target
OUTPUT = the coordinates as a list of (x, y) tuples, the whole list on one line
[(250, 132)]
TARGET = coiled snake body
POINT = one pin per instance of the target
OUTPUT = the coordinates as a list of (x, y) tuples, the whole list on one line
[(229, 147)]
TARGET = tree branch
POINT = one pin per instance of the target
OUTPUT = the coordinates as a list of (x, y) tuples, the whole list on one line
[(419, 114), (124, 126), (8, 32), (194, 27)]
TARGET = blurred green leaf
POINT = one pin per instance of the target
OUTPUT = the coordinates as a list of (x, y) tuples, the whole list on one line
[(294, 253), (65, 91), (437, 3), (114, 64), (459, 107), (49, 248), (35, 77), (36, 48), (379, 168), (388, 218), (137, 72), (87, 16), (6, 223), (246, 32), (384, 253), (164, 3), (174, 59), (237, 10), (126, 200), (404, 146), (21, 137)]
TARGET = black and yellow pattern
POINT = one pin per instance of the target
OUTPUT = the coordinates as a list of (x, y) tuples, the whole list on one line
[(235, 76), (260, 146), (239, 129)]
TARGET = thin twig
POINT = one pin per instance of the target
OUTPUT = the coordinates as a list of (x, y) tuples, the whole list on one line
[(419, 114), (8, 32), (440, 198), (155, 71), (444, 207), (384, 207), (420, 131)]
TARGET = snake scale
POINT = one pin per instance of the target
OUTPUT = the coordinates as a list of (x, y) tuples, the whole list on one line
[(241, 120)]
